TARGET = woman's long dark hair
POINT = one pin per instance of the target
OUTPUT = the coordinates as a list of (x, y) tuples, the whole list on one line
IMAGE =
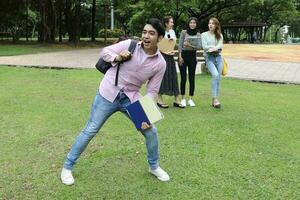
[(218, 27)]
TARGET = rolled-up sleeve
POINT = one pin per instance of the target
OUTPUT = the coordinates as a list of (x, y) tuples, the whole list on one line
[(154, 82), (109, 53), (205, 43), (199, 45), (220, 43), (181, 40)]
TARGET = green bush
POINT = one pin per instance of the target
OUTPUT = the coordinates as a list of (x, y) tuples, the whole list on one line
[(111, 33)]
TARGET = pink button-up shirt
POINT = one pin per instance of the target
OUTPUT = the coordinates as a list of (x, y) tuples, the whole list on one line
[(133, 73)]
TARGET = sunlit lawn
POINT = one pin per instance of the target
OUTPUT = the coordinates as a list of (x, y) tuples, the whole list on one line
[(250, 149)]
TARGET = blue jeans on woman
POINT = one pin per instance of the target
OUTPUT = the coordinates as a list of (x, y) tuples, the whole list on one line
[(101, 110), (215, 66)]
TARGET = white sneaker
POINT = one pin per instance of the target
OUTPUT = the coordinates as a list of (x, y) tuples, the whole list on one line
[(66, 177), (183, 102), (160, 174), (191, 103)]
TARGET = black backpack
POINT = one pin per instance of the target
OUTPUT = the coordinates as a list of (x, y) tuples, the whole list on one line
[(103, 66)]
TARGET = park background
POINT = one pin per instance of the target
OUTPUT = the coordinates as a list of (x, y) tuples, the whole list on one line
[(250, 149)]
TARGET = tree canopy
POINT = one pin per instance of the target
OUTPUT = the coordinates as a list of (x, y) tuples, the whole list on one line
[(51, 19)]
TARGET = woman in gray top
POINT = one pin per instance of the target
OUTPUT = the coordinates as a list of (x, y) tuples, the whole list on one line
[(189, 42)]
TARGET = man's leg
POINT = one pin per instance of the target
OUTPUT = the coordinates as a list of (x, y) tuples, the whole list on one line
[(152, 144), (101, 110)]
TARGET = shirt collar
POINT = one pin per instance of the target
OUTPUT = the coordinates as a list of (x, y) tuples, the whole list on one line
[(140, 46)]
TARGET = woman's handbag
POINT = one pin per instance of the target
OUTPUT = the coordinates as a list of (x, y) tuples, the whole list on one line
[(225, 68)]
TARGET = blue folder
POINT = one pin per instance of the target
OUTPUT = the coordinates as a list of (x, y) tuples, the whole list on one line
[(144, 110)]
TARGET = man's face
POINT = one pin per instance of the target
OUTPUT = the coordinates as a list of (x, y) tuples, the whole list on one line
[(149, 37)]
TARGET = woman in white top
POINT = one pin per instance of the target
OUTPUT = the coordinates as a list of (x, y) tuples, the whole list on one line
[(169, 84)]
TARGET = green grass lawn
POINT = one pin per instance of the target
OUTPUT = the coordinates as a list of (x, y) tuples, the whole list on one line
[(9, 49), (250, 149)]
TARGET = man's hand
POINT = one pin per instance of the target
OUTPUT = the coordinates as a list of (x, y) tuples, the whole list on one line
[(145, 126), (123, 56)]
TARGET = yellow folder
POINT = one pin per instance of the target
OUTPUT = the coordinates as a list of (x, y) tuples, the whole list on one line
[(166, 45)]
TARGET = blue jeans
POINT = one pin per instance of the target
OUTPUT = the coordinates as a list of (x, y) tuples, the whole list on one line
[(101, 110), (215, 66)]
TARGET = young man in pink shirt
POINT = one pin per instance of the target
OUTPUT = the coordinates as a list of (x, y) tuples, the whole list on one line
[(146, 64)]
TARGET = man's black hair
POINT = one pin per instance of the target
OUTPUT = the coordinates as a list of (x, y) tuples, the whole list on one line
[(157, 25)]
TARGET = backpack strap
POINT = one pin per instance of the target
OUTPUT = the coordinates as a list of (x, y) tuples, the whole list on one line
[(132, 46), (131, 49)]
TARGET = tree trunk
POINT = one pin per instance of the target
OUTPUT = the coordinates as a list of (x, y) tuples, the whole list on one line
[(73, 21), (52, 21), (239, 36), (15, 33), (60, 20), (27, 7), (265, 33), (33, 31), (69, 20), (77, 23), (47, 27), (93, 20), (276, 34)]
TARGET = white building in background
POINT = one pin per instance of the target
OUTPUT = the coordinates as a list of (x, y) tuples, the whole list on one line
[(285, 29), (285, 37)]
